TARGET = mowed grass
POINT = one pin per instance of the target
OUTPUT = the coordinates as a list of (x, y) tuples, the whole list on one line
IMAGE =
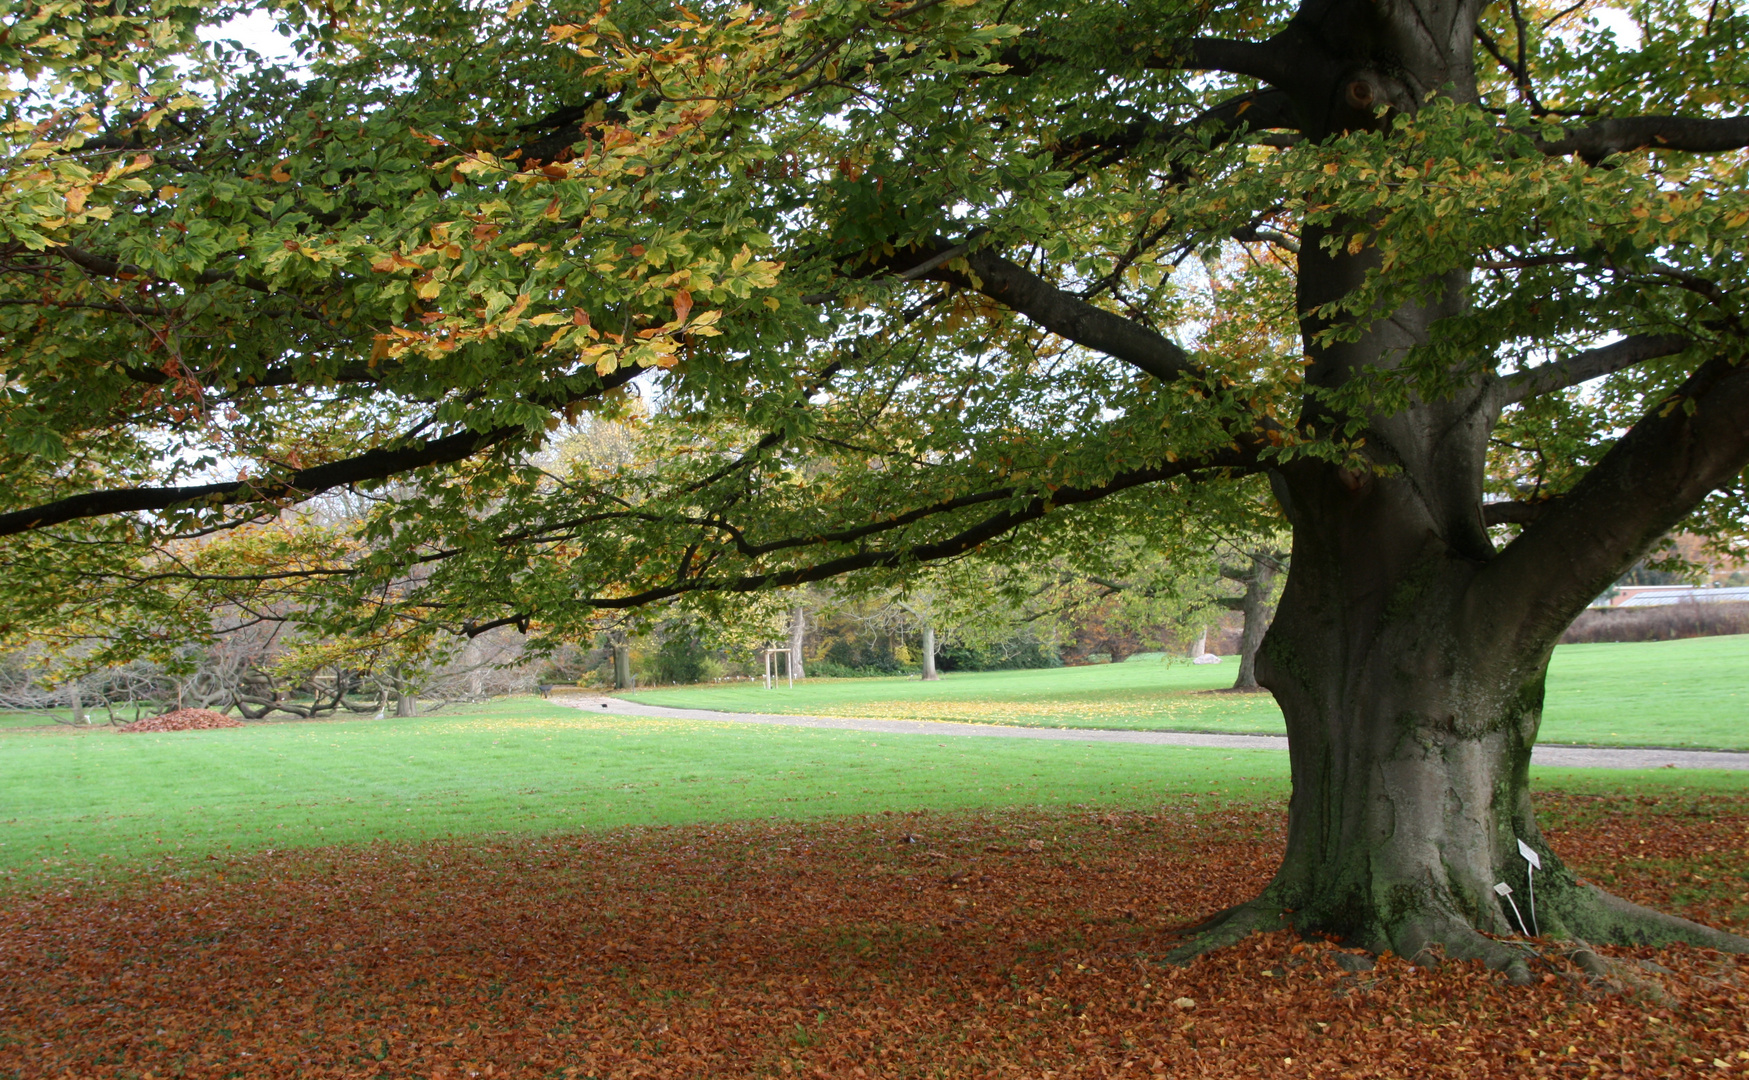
[(90, 799), (1141, 693), (1690, 693), (99, 804)]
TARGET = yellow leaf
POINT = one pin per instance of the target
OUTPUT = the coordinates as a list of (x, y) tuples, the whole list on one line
[(76, 199)]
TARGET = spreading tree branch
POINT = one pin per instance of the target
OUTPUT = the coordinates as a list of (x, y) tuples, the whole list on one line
[(1514, 513), (1582, 367), (1241, 460), (380, 463), (1049, 307), (1264, 60), (377, 464), (1619, 135), (1687, 445), (1258, 110)]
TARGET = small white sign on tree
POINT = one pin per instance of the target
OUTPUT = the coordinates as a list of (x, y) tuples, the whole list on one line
[(1505, 890), (1535, 862)]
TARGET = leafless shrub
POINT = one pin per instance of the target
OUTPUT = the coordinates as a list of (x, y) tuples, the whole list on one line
[(1666, 623)]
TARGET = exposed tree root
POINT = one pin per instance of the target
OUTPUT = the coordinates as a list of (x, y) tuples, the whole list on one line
[(1229, 927), (1590, 913), (1427, 941), (1430, 937)]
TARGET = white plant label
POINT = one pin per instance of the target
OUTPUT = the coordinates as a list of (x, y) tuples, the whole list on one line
[(1530, 855), (1506, 890), (1536, 863)]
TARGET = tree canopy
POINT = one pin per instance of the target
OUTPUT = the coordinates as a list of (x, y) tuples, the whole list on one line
[(1454, 289)]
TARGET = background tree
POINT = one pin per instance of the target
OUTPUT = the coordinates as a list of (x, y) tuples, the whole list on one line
[(798, 633), (939, 283), (1256, 605)]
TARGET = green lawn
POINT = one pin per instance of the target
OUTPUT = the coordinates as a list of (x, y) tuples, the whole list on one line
[(98, 803), (523, 765), (1662, 693)]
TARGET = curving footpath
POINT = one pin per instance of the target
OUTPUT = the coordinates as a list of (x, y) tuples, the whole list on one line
[(1582, 757)]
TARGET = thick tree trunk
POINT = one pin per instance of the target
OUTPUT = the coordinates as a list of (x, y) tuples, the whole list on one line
[(798, 628), (1201, 644), (1408, 654), (929, 674), (1411, 710)]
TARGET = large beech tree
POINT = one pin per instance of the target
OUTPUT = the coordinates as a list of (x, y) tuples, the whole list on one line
[(1458, 287)]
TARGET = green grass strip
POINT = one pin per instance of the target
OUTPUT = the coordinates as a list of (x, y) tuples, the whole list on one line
[(97, 804), (1691, 693)]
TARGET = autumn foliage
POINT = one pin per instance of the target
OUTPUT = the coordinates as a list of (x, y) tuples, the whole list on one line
[(1009, 944), (183, 720)]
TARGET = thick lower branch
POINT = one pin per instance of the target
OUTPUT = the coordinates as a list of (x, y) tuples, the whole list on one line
[(1622, 134), (1686, 446), (1584, 366), (958, 544), (377, 464), (1067, 315)]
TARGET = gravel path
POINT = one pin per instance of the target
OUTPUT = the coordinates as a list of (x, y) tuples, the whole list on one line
[(1587, 757)]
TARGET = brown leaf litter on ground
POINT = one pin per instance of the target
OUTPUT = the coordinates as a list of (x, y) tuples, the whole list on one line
[(183, 720), (1018, 944)]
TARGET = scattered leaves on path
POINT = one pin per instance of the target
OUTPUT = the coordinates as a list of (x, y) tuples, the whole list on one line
[(1145, 709), (1013, 944)]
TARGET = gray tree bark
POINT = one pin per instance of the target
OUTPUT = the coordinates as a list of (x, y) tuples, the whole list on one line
[(622, 658), (406, 698), (798, 628), (1259, 581), (929, 674)]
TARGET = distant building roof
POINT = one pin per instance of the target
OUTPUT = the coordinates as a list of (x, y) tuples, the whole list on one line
[(1663, 595)]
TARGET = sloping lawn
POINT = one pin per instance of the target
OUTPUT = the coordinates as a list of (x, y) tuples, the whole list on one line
[(1692, 693)]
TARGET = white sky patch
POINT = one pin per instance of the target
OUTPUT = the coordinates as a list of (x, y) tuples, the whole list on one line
[(1620, 23), (259, 31)]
